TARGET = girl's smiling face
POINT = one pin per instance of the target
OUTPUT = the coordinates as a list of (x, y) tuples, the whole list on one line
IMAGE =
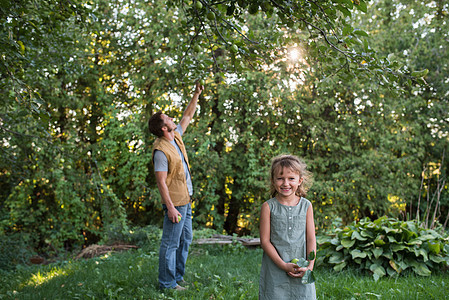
[(286, 182)]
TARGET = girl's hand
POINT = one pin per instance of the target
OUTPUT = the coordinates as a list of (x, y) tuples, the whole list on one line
[(291, 268), (298, 272)]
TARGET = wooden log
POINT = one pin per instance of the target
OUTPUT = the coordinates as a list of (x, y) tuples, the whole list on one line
[(225, 239)]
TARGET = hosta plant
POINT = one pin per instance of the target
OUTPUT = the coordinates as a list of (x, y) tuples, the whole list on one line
[(385, 247)]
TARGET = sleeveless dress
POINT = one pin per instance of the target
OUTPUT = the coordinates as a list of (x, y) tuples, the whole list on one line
[(288, 236)]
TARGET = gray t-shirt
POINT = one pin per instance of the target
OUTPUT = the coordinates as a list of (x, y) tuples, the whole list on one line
[(161, 163)]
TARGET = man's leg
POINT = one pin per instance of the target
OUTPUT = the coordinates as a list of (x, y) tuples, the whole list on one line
[(185, 241), (171, 234)]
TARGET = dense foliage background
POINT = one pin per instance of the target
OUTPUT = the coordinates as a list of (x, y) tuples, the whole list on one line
[(80, 79)]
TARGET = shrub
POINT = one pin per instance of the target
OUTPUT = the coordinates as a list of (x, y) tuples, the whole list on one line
[(14, 250), (385, 246)]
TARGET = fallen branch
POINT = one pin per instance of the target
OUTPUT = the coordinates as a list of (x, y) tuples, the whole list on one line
[(98, 250), (227, 239)]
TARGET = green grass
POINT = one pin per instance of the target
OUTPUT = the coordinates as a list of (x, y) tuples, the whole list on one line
[(215, 272)]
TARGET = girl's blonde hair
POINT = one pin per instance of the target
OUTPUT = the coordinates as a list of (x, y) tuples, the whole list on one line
[(295, 164)]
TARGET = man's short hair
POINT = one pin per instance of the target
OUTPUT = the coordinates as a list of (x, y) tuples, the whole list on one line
[(155, 124)]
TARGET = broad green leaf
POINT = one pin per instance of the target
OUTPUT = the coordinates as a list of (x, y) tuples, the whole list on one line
[(339, 266), (335, 241), (366, 234), (421, 252), (379, 242), (378, 270), (434, 247), (438, 259), (388, 229), (396, 247), (377, 252), (388, 253), (336, 258), (308, 277), (357, 253), (414, 242), (347, 243), (356, 235), (426, 237), (420, 268), (391, 272), (391, 239), (407, 235), (311, 255), (402, 264)]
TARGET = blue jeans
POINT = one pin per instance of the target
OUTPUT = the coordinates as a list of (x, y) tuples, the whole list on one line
[(175, 242)]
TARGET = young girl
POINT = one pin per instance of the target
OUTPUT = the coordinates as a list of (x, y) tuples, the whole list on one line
[(287, 231)]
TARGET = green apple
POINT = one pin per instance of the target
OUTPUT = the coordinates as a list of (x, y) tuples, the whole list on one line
[(294, 260), (234, 49), (198, 5), (210, 16)]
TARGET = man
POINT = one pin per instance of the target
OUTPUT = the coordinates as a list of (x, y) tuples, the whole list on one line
[(174, 182)]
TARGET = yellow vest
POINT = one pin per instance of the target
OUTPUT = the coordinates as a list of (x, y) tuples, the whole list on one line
[(176, 178)]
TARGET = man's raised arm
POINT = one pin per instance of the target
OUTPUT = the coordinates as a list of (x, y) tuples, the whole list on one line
[(191, 107)]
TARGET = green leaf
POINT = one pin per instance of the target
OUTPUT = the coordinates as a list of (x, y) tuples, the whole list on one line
[(379, 242), (421, 252), (336, 258), (420, 268), (420, 73), (340, 266), (438, 259), (357, 253), (356, 235), (388, 229), (378, 270), (377, 252), (407, 235), (362, 6), (308, 277), (311, 255), (434, 247), (360, 32), (344, 10), (347, 29), (396, 247), (347, 243), (414, 242), (366, 233)]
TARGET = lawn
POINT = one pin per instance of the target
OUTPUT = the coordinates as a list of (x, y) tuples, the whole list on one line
[(215, 272)]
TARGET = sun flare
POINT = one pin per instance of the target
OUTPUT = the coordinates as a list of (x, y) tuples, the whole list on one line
[(294, 54)]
